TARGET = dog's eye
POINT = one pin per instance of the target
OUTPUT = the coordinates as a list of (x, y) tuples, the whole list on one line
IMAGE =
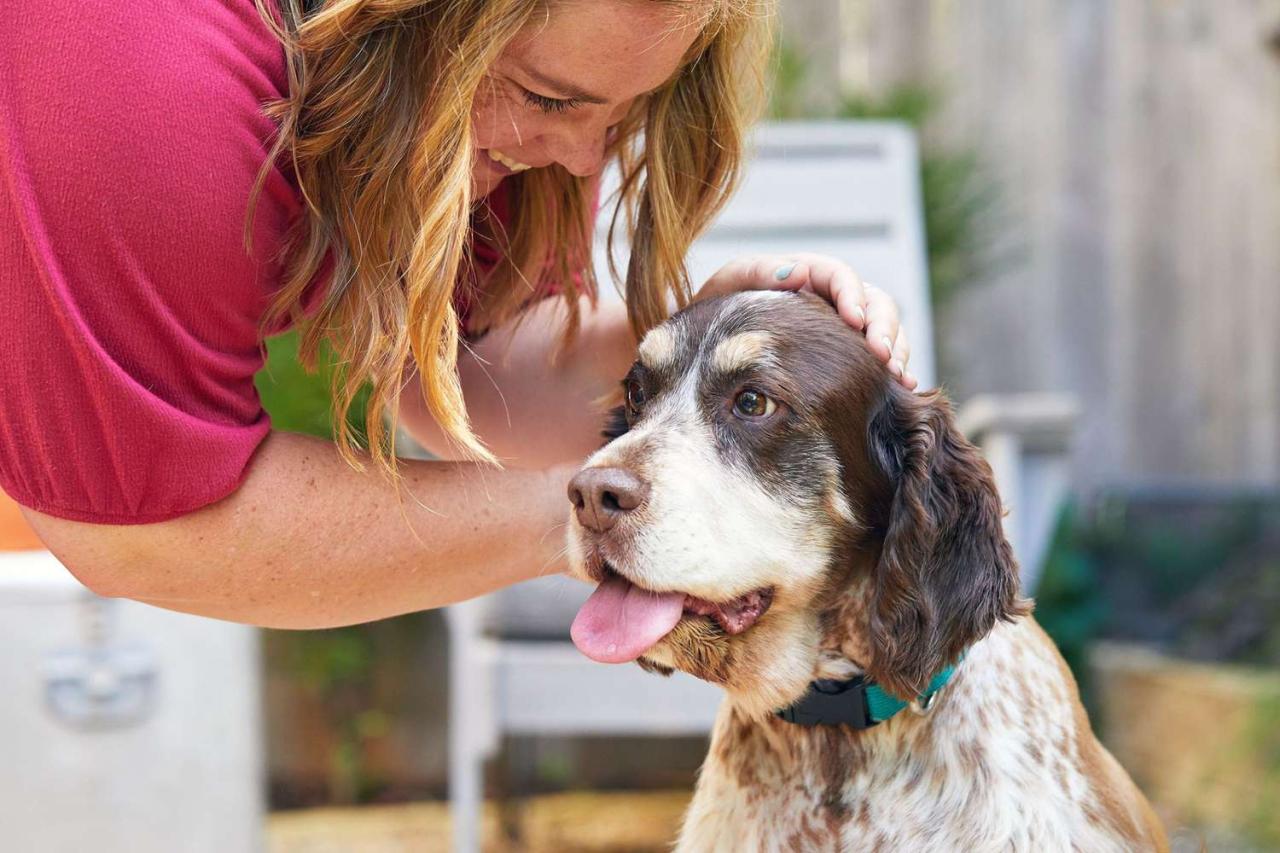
[(635, 395), (753, 404)]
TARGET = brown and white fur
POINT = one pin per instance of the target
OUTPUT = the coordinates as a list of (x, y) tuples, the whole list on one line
[(876, 530)]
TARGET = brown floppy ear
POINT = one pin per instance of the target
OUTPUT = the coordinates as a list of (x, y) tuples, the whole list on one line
[(946, 575)]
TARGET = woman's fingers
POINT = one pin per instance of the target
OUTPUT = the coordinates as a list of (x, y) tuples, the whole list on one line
[(840, 285), (864, 307), (898, 364), (758, 272), (882, 323)]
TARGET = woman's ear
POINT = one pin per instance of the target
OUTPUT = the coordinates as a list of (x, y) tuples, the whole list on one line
[(946, 575)]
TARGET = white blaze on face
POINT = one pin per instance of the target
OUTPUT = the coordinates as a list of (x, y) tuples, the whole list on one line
[(710, 528)]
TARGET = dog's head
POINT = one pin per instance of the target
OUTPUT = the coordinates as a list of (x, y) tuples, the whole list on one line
[(771, 495)]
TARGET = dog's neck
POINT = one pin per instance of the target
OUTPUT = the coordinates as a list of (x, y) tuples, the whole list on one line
[(858, 702), (768, 751), (769, 744), (845, 646)]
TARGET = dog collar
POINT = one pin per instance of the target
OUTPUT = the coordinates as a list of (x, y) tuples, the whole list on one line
[(858, 702)]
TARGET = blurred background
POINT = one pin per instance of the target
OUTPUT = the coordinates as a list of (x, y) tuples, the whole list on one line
[(1098, 183)]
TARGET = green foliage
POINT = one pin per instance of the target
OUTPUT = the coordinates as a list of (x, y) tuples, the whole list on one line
[(913, 104), (299, 400), (1193, 575), (1068, 606), (957, 196), (790, 72), (335, 667)]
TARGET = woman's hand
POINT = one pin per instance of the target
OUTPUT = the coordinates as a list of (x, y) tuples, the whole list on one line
[(864, 307)]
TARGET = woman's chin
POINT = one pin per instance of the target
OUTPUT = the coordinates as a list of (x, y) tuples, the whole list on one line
[(483, 183), (486, 176)]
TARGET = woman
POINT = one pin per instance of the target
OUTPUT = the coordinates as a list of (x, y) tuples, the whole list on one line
[(425, 175)]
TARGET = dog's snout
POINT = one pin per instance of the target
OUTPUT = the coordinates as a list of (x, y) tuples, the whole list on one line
[(600, 496)]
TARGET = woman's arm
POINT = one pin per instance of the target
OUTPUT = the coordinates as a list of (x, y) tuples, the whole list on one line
[(309, 542), (529, 411)]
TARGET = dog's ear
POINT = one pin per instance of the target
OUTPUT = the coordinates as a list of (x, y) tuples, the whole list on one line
[(945, 575)]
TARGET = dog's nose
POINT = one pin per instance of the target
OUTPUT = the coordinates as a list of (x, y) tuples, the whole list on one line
[(600, 496)]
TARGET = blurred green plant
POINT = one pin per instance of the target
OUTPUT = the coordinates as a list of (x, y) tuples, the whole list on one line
[(335, 668), (786, 86), (1068, 606), (1193, 575), (297, 399), (958, 197)]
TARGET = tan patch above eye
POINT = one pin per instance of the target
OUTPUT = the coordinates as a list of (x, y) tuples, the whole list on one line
[(742, 351), (658, 349)]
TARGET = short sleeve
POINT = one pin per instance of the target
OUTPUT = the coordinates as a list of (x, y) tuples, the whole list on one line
[(130, 138)]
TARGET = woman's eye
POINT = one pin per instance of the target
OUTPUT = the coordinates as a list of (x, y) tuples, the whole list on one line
[(635, 395), (753, 404), (549, 105)]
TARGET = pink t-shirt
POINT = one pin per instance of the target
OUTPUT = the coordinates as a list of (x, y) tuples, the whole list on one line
[(130, 137)]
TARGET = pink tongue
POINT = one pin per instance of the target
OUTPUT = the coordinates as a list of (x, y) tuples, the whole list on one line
[(620, 622)]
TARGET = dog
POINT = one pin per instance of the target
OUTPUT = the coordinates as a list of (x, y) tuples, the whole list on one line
[(775, 514)]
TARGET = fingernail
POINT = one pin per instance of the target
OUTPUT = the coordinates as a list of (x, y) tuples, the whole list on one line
[(895, 368), (861, 315), (910, 378), (888, 344), (782, 273)]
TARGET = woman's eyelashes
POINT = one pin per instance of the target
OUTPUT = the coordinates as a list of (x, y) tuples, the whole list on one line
[(549, 105)]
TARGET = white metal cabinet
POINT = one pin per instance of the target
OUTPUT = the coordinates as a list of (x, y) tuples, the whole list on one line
[(123, 727)]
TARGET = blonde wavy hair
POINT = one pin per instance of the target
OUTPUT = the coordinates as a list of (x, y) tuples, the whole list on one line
[(377, 129)]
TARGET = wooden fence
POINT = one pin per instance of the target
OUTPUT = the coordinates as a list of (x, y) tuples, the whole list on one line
[(1135, 148)]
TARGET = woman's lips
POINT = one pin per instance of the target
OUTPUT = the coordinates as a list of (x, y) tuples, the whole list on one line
[(501, 163)]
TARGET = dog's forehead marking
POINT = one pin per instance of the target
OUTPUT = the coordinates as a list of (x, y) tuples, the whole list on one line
[(666, 346), (733, 337), (743, 350), (658, 349)]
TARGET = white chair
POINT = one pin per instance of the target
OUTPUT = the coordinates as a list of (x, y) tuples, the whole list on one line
[(847, 189)]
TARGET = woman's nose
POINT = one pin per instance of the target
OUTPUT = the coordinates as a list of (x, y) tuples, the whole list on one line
[(580, 150)]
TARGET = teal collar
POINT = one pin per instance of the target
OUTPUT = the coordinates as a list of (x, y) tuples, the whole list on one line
[(858, 702)]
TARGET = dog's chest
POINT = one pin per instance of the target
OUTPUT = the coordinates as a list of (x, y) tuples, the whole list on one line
[(909, 807), (993, 768)]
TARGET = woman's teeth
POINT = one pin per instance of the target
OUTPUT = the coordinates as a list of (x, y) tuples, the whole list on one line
[(513, 165)]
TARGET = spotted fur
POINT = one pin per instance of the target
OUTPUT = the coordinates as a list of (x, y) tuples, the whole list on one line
[(878, 529)]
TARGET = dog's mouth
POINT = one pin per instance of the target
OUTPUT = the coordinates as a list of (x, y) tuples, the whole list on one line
[(622, 621)]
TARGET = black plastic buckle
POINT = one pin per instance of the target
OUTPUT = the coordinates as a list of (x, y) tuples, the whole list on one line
[(832, 703)]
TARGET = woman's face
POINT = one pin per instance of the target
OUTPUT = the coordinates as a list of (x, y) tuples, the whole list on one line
[(568, 77)]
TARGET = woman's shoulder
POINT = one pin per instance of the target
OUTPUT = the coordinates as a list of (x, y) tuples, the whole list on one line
[(145, 137), (133, 136)]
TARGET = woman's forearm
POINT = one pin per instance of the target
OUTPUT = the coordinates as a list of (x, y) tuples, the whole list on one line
[(531, 412), (308, 542)]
